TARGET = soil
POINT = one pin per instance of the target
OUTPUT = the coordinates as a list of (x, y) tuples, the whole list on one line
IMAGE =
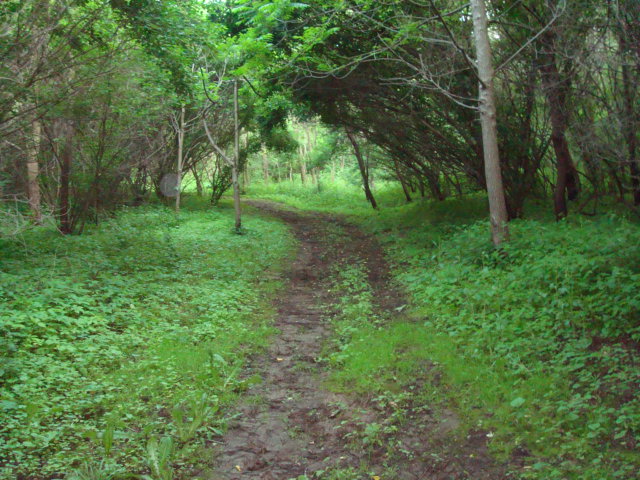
[(291, 425)]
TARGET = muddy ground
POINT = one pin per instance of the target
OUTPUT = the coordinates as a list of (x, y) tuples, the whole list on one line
[(291, 425)]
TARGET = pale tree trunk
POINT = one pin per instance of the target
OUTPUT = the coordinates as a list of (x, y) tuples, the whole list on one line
[(196, 177), (180, 147), (236, 161), (497, 204), (265, 164), (364, 171), (246, 179), (65, 180), (33, 185), (303, 171)]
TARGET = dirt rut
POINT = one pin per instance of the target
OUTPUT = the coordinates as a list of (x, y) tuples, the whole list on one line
[(289, 424)]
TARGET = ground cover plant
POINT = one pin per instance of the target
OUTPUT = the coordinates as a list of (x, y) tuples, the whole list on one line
[(537, 344), (121, 348), (491, 148)]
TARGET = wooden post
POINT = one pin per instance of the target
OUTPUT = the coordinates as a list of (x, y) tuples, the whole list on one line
[(236, 160), (180, 146)]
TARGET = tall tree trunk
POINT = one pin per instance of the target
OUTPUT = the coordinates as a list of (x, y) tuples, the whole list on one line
[(364, 171), (180, 147), (65, 179), (33, 184), (246, 178), (400, 177), (630, 123), (265, 164), (303, 171), (236, 161), (196, 177), (567, 181), (497, 204)]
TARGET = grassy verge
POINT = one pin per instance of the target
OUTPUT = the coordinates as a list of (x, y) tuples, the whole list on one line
[(122, 347), (539, 346)]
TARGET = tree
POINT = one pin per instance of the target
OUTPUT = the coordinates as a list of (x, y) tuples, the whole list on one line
[(497, 205)]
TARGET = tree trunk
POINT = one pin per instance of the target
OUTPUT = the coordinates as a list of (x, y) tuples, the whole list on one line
[(180, 147), (497, 204), (396, 168), (364, 171), (196, 177), (567, 181), (303, 171), (630, 125), (236, 161), (65, 179), (265, 165), (421, 188), (33, 185)]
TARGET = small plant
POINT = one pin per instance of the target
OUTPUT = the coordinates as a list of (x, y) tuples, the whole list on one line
[(197, 413), (97, 471), (159, 458)]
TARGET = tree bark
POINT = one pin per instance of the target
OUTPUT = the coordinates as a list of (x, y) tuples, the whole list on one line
[(630, 124), (400, 178), (196, 177), (497, 204), (364, 171), (180, 147), (265, 165), (236, 161), (33, 184), (567, 181), (64, 202), (303, 171)]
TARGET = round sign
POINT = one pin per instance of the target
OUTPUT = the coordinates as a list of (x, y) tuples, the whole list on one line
[(169, 185)]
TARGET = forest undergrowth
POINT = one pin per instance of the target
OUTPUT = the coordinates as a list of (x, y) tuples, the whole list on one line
[(122, 346), (537, 345)]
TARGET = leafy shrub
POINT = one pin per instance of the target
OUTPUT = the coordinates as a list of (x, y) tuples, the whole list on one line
[(115, 337)]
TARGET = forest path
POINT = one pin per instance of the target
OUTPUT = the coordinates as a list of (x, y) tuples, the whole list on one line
[(289, 425)]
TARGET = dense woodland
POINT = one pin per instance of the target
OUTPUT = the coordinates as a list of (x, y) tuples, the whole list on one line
[(131, 129)]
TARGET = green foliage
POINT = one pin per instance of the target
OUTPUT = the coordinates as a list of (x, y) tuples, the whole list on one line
[(343, 195), (537, 344), (134, 331)]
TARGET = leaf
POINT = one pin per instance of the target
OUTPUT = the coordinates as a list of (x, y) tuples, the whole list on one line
[(517, 402)]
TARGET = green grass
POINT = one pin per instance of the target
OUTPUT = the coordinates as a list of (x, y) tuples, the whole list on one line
[(537, 344), (342, 196), (130, 338)]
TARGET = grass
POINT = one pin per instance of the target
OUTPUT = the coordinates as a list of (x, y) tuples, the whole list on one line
[(122, 347), (538, 344)]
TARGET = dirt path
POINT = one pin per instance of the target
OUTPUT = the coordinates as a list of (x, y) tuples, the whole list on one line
[(290, 425)]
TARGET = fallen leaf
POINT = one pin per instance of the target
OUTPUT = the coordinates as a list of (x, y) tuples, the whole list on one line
[(239, 468)]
